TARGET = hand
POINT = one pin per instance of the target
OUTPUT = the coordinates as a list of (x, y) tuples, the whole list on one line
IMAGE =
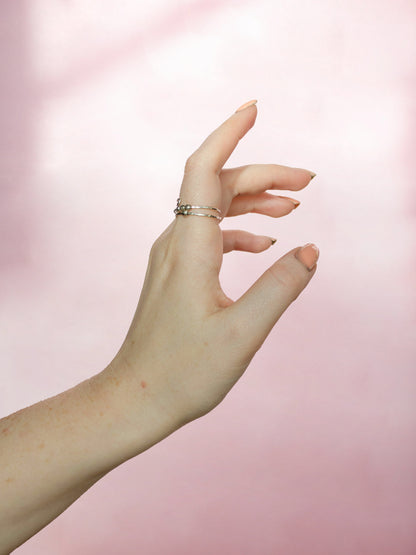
[(189, 343)]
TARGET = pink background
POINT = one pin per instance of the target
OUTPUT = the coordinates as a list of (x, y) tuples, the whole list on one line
[(313, 452)]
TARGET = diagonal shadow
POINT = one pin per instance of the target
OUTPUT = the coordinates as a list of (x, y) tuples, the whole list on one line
[(17, 109), (178, 20), (22, 97)]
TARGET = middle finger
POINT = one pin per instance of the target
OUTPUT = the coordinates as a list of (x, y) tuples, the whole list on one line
[(257, 178)]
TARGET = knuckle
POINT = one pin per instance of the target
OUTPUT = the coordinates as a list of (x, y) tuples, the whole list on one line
[(155, 250), (286, 279), (165, 253), (157, 255), (159, 251), (197, 162), (191, 163)]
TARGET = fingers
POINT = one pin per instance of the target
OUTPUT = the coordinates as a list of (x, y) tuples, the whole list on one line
[(238, 240), (246, 185), (258, 309), (263, 203)]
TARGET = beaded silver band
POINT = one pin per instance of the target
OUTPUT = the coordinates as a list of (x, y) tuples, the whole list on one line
[(185, 210)]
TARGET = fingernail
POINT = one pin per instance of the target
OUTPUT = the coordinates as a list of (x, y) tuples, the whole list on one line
[(246, 105), (312, 175), (295, 201), (273, 240), (308, 255)]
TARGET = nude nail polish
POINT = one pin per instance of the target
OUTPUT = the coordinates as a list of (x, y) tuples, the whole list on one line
[(295, 202), (246, 105), (308, 255)]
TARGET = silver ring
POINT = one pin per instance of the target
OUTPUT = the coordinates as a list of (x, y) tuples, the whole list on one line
[(185, 210)]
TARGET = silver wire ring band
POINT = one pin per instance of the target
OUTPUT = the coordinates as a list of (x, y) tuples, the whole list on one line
[(186, 213), (184, 210)]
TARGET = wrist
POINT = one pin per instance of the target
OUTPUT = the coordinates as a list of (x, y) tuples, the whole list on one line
[(135, 418)]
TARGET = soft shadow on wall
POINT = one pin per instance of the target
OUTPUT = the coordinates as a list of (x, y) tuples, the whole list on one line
[(18, 108)]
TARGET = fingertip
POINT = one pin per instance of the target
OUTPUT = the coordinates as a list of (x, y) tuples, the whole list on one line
[(262, 243), (308, 255), (246, 105)]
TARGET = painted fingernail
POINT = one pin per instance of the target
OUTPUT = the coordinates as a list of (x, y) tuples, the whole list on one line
[(295, 201), (246, 105), (273, 240), (308, 255), (312, 175)]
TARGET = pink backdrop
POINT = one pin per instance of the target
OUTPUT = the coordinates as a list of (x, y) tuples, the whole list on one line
[(313, 452)]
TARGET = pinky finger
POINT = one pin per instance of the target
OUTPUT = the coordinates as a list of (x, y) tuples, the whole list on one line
[(238, 240)]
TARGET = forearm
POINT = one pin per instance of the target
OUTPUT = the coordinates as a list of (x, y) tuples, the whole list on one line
[(53, 451)]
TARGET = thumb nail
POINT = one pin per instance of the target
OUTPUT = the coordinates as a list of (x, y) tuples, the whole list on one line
[(308, 255)]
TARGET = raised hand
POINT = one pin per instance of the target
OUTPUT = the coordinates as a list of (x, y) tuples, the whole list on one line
[(189, 343)]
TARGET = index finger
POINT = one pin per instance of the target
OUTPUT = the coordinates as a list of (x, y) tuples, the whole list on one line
[(220, 144), (199, 239), (203, 166)]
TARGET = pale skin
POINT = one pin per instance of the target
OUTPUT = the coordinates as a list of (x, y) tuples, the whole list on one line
[(187, 345)]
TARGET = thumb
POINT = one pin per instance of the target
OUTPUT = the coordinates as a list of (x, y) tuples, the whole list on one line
[(259, 308)]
